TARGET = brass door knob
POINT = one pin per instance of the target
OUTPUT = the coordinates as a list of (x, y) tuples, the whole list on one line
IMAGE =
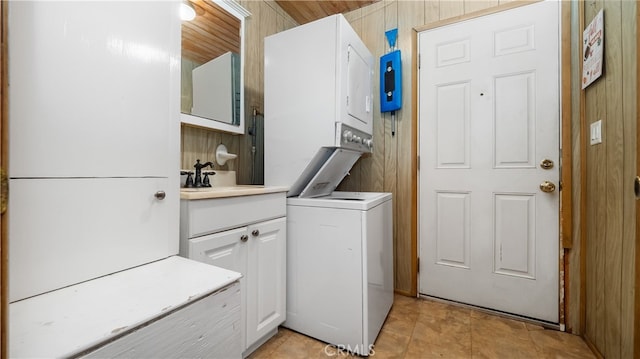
[(547, 187)]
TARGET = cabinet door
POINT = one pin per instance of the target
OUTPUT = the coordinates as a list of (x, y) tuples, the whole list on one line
[(66, 231), (94, 88), (266, 278), (225, 250)]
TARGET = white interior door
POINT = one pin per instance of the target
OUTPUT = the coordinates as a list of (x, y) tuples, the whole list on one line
[(489, 114)]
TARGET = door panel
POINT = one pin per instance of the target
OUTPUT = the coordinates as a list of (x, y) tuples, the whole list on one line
[(452, 236), (489, 114), (511, 41), (453, 125), (515, 120), (515, 235)]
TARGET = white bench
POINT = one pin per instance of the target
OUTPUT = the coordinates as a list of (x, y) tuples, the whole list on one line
[(173, 307)]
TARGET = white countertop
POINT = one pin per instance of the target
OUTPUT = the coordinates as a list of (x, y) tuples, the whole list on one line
[(71, 320), (230, 191)]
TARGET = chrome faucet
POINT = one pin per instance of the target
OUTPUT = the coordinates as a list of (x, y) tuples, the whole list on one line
[(198, 180)]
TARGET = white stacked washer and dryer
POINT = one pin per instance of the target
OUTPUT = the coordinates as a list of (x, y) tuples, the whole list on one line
[(318, 122)]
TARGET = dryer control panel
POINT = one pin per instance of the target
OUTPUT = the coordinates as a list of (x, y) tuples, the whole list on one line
[(352, 138)]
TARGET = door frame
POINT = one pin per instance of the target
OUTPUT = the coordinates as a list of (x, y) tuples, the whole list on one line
[(566, 203), (4, 155), (636, 314)]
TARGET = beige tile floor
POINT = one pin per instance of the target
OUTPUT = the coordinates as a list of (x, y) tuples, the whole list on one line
[(421, 328)]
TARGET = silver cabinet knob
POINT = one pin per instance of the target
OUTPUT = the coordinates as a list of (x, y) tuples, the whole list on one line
[(160, 195), (255, 233), (244, 238)]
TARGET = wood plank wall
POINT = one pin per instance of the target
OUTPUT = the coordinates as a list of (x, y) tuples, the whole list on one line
[(608, 220), (574, 285)]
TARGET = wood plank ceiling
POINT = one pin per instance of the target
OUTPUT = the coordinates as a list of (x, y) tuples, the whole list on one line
[(304, 11), (214, 31)]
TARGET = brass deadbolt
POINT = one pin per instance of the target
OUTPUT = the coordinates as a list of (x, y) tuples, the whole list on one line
[(546, 164)]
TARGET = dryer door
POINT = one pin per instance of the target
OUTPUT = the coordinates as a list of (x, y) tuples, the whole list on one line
[(359, 101)]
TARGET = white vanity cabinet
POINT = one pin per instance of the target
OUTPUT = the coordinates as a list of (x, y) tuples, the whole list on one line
[(246, 234)]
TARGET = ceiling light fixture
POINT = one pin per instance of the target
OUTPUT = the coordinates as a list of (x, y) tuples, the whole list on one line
[(187, 12)]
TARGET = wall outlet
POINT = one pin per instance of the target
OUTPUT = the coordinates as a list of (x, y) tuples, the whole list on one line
[(596, 132)]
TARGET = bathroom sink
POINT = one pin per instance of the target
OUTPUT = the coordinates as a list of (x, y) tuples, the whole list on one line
[(221, 189), (227, 191)]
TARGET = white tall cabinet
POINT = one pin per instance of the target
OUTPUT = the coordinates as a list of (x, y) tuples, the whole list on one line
[(94, 139)]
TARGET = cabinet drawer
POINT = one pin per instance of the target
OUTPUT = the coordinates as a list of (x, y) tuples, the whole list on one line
[(204, 216)]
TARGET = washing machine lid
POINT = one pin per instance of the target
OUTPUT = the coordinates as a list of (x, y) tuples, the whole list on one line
[(325, 171), (361, 201)]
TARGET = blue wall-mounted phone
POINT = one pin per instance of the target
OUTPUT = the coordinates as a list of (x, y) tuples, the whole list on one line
[(390, 82)]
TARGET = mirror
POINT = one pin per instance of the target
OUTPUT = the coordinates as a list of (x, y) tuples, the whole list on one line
[(212, 76)]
